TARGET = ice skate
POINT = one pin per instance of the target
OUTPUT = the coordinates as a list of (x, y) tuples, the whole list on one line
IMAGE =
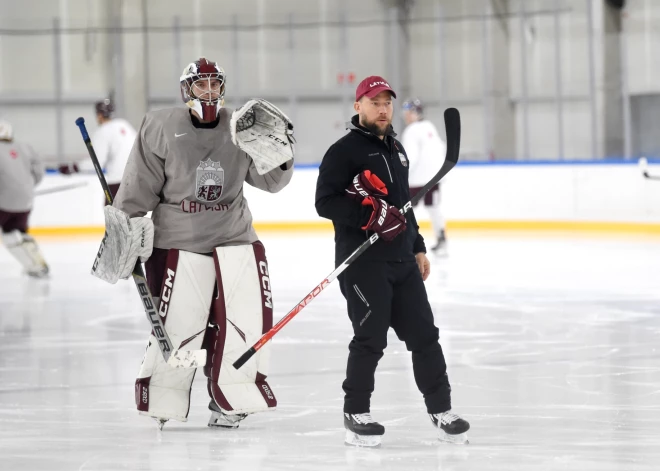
[(160, 423), (40, 272), (440, 247), (362, 430), (220, 419), (451, 427)]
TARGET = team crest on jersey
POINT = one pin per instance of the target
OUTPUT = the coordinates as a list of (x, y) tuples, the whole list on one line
[(403, 159), (209, 182)]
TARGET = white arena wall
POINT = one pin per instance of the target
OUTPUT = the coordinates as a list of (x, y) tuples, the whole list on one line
[(549, 196)]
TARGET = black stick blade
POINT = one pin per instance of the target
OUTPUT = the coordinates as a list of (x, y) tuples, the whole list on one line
[(244, 358), (453, 129)]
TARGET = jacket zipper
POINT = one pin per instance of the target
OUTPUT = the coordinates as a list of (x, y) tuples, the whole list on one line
[(388, 167), (399, 182)]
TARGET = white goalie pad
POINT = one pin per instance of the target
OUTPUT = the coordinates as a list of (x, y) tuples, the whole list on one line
[(125, 240), (264, 132), (242, 312), (24, 249), (185, 299)]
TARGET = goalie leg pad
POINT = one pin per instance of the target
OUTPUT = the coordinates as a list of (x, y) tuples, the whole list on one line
[(242, 312), (24, 249), (185, 300)]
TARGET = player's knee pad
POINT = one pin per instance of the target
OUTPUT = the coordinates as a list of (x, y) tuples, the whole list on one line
[(242, 312), (24, 249), (185, 300)]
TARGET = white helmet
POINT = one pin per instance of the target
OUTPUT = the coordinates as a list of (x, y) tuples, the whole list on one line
[(6, 131), (207, 107)]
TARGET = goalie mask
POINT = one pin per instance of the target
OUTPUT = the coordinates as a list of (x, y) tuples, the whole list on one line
[(203, 88)]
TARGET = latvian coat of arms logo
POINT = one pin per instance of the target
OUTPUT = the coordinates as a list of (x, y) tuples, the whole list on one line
[(209, 182)]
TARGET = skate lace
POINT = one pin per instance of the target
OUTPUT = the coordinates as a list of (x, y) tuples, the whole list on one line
[(448, 417), (363, 418)]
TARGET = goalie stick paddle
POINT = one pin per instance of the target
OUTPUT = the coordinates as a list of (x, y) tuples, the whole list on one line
[(175, 358), (453, 128)]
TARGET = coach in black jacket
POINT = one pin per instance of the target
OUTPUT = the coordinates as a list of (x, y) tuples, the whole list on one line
[(384, 287)]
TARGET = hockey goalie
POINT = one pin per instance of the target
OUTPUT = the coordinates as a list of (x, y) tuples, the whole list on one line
[(204, 264)]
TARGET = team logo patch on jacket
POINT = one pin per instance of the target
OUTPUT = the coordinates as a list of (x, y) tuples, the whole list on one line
[(209, 182), (403, 159)]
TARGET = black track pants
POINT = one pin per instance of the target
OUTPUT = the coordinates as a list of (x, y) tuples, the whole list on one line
[(381, 295)]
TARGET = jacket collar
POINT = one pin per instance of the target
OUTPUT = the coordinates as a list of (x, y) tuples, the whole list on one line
[(354, 125)]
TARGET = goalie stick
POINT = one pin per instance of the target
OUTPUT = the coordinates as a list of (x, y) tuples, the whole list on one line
[(643, 165), (175, 358), (453, 128)]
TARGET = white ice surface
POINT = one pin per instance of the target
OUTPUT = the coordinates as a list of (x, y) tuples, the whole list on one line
[(553, 346)]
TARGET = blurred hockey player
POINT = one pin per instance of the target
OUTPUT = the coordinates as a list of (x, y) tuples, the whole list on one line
[(205, 262), (20, 170), (426, 151), (644, 167), (113, 141)]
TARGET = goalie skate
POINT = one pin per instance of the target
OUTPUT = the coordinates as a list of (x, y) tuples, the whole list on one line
[(220, 419), (160, 423), (451, 427), (362, 430)]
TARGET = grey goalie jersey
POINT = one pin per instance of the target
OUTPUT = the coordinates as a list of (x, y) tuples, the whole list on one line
[(20, 170), (192, 179)]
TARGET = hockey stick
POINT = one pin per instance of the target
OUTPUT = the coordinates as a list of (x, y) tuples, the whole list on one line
[(643, 165), (453, 128), (57, 189), (175, 358)]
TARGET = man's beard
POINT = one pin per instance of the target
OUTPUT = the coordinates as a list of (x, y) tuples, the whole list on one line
[(375, 129)]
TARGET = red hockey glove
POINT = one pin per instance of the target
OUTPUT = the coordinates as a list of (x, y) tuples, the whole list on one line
[(366, 184), (385, 220)]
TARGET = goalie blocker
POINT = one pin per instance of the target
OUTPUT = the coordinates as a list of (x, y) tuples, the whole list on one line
[(221, 302)]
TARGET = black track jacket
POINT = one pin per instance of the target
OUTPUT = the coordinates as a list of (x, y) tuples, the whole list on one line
[(357, 151)]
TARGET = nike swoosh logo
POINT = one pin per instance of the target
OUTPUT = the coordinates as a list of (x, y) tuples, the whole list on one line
[(179, 135)]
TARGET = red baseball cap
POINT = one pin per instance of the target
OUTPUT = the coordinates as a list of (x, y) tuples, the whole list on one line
[(372, 86)]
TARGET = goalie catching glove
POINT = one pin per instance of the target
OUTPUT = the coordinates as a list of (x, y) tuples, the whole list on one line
[(125, 240), (262, 131)]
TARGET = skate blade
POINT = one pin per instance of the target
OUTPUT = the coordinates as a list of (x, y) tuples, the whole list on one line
[(353, 439), (160, 423), (459, 439), (40, 272)]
